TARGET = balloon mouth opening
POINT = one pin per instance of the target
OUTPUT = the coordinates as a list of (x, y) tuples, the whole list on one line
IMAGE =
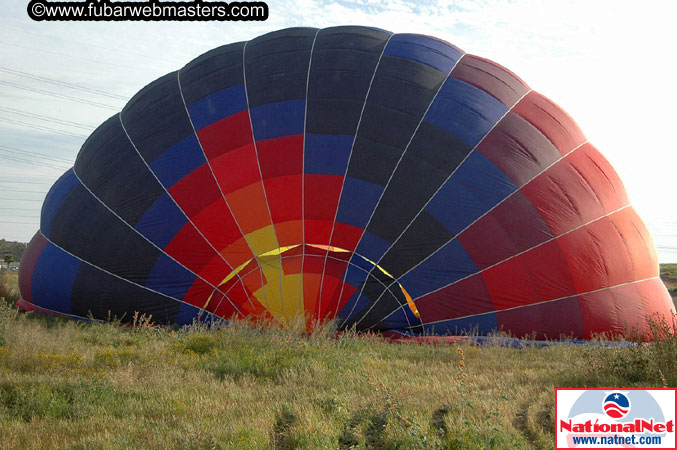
[(271, 261)]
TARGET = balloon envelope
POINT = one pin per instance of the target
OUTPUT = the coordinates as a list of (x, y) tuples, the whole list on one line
[(388, 181)]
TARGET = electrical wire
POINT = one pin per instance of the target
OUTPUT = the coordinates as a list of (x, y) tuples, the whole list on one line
[(47, 118), (20, 190), (35, 163), (19, 215), (41, 128), (22, 152), (19, 223), (19, 209), (62, 83), (54, 94), (22, 182)]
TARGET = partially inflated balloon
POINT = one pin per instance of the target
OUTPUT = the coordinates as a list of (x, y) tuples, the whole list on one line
[(389, 181)]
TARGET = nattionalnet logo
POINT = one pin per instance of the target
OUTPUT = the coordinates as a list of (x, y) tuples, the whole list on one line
[(615, 418), (616, 405)]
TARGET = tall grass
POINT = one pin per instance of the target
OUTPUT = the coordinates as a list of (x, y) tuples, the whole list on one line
[(9, 286), (67, 384)]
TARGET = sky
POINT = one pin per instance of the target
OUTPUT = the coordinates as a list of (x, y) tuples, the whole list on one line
[(609, 64)]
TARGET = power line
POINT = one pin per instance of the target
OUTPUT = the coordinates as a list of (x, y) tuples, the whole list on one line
[(8, 149), (124, 51), (32, 161), (54, 94), (19, 215), (22, 182), (62, 83), (90, 60), (19, 223), (21, 190), (47, 118), (41, 128), (35, 163), (20, 209)]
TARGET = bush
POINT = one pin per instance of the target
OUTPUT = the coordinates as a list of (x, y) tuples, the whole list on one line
[(258, 363), (651, 360), (37, 401)]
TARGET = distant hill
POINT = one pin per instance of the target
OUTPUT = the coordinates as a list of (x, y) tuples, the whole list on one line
[(669, 277), (16, 249), (668, 271)]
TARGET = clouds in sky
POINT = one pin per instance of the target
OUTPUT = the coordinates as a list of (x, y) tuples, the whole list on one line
[(608, 63)]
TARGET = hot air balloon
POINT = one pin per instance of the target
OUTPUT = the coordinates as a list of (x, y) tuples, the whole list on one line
[(387, 181)]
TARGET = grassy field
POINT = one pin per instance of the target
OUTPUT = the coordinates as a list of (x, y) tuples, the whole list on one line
[(67, 384)]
